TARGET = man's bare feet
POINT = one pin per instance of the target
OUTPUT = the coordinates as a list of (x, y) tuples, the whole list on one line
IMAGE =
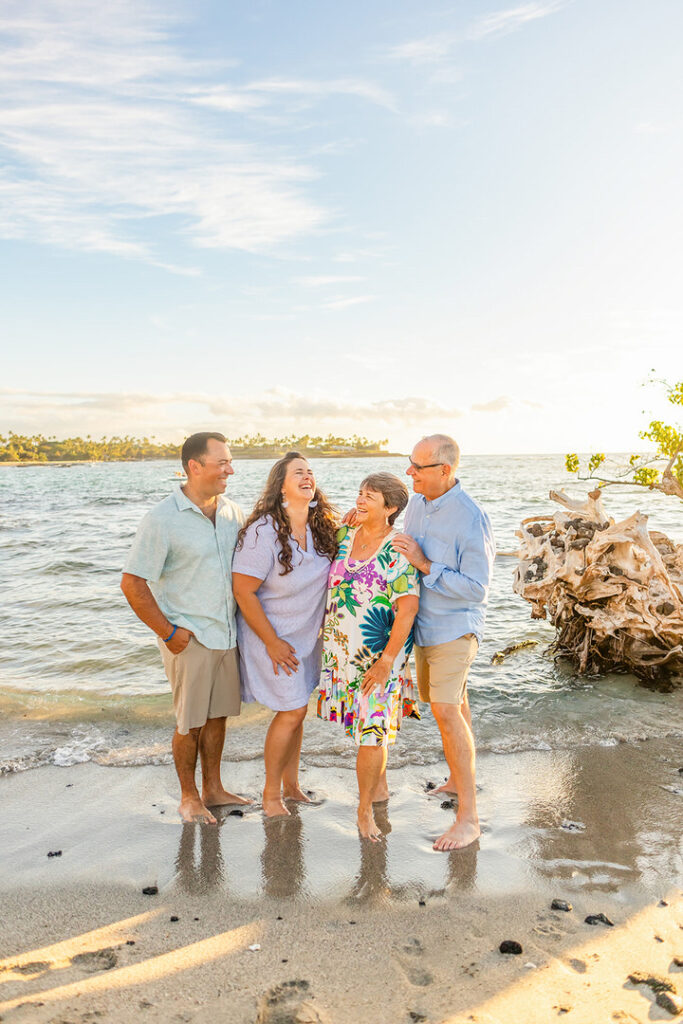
[(273, 807), (447, 787), (458, 836), (191, 809), (295, 793), (221, 797), (367, 825)]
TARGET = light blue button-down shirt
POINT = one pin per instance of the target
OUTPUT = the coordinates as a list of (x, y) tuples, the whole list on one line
[(455, 535), (187, 562)]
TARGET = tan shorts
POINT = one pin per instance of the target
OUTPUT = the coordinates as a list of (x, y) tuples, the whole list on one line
[(442, 669), (205, 684)]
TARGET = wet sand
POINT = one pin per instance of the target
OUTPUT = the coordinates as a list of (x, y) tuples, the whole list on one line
[(348, 931)]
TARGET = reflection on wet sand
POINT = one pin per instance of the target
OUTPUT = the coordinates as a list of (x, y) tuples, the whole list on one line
[(282, 859), (199, 874)]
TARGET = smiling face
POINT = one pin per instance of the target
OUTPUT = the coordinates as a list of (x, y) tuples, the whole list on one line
[(209, 473), (430, 477), (371, 510), (298, 487)]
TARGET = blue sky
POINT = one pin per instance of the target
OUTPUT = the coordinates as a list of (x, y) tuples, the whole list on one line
[(387, 217)]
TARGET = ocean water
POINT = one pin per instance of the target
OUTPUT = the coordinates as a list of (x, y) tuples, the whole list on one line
[(81, 678)]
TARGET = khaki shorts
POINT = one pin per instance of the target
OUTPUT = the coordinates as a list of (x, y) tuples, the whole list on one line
[(205, 684), (442, 669)]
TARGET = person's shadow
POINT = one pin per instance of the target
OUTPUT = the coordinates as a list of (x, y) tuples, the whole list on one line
[(282, 859)]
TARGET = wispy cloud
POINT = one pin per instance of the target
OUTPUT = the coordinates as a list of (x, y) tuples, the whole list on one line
[(438, 49), (512, 18), (168, 415), (321, 280), (108, 127)]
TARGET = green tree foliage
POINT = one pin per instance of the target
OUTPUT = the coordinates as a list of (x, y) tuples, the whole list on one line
[(668, 441), (36, 448)]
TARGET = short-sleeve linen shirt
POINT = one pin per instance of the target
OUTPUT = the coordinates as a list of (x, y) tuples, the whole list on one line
[(187, 561)]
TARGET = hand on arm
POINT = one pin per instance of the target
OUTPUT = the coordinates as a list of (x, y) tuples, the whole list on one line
[(279, 651), (141, 599), (379, 672), (413, 552)]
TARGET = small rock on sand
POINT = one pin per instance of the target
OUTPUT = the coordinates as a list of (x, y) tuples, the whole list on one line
[(150, 890), (510, 946), (599, 919), (561, 905), (670, 1002)]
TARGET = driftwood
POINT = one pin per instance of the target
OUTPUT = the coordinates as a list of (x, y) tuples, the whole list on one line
[(613, 591)]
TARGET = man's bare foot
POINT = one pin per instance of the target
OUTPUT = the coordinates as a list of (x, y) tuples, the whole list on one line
[(458, 836), (295, 793), (447, 787), (192, 809), (381, 792), (221, 797), (273, 807), (367, 826)]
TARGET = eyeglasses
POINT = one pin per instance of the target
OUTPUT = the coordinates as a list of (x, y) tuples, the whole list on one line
[(430, 465)]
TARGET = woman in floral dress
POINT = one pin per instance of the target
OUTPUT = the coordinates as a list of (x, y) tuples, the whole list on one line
[(372, 600)]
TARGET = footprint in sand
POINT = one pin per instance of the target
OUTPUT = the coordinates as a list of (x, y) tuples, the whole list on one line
[(35, 967), (98, 960), (289, 1003)]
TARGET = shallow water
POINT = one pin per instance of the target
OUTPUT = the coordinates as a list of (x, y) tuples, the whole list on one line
[(81, 678)]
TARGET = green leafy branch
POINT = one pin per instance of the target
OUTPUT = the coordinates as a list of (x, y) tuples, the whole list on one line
[(640, 470)]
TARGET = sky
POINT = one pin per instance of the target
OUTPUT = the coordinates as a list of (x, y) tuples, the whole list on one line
[(299, 216)]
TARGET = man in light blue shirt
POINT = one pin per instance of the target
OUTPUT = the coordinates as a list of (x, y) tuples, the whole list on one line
[(178, 580), (448, 538)]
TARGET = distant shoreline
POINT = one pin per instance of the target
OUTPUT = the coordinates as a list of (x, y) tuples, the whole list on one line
[(269, 454)]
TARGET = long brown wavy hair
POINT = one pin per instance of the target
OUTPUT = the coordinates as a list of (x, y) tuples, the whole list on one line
[(322, 517)]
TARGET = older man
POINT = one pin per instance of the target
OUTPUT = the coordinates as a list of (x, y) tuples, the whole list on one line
[(448, 538), (178, 580)]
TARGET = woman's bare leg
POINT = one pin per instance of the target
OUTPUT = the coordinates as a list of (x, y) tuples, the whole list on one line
[(281, 742), (370, 765)]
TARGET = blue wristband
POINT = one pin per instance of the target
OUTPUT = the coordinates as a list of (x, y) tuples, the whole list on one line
[(170, 635)]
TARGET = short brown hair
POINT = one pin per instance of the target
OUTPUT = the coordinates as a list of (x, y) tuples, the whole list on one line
[(196, 444), (393, 490)]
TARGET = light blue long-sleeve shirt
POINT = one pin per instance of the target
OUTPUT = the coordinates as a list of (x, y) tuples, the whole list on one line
[(187, 561), (455, 535)]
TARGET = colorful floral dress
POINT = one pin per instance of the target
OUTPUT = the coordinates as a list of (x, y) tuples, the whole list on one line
[(358, 620)]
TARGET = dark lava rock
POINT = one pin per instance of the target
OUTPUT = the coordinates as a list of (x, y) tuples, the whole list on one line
[(236, 813), (510, 946), (54, 853), (656, 982), (561, 905), (670, 1002), (662, 903), (678, 961), (415, 1016), (422, 903), (665, 608), (150, 890), (130, 942), (447, 805), (174, 917), (278, 918), (599, 919), (432, 785)]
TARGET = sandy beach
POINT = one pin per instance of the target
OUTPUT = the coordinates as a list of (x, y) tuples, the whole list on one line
[(344, 931)]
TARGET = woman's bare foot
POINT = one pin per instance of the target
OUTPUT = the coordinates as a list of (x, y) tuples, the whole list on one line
[(447, 787), (458, 836), (191, 809), (367, 825), (295, 793), (273, 807)]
